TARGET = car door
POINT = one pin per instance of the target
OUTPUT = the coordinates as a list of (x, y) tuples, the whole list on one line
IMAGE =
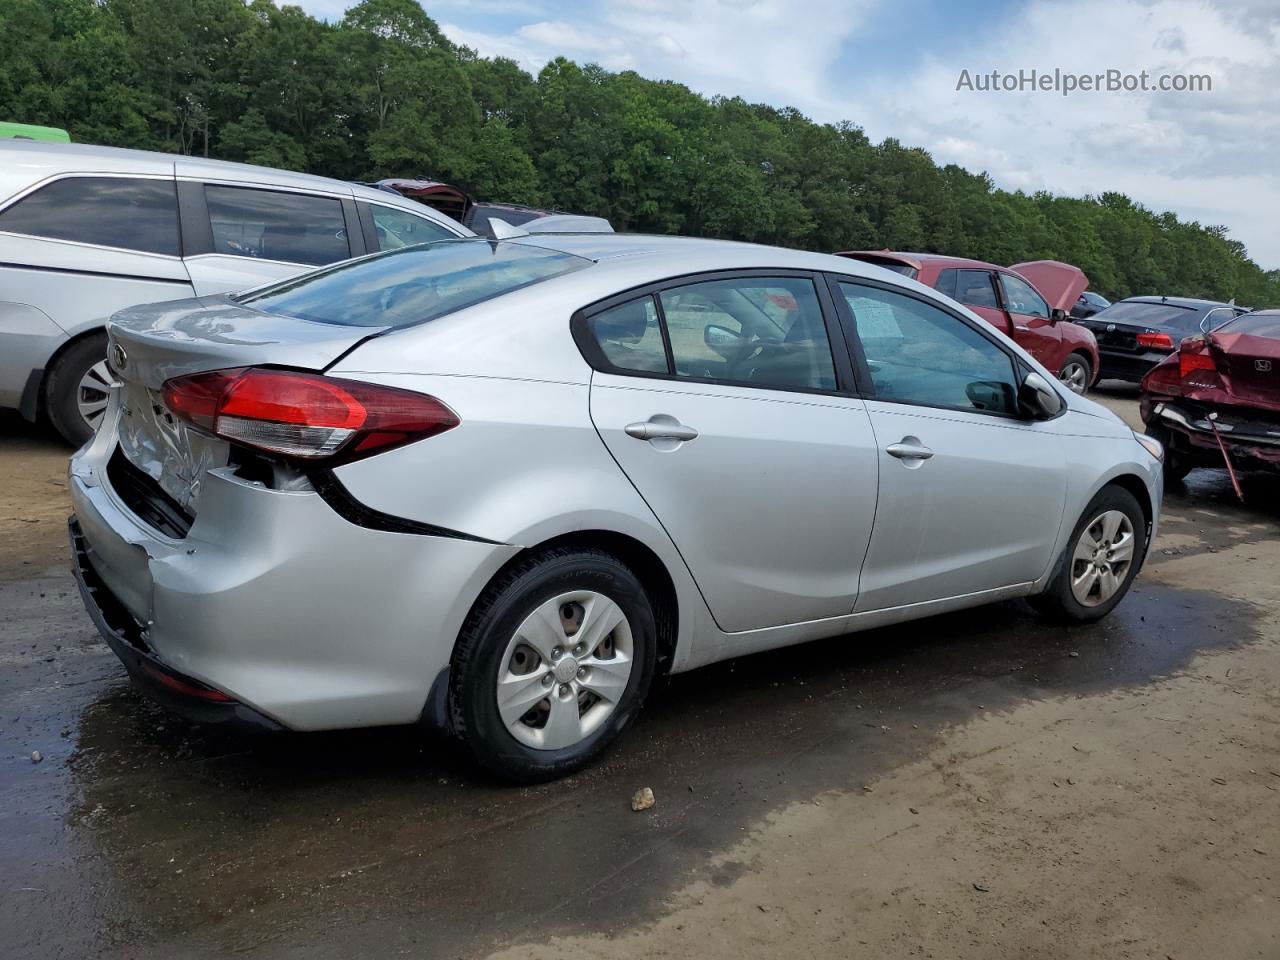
[(73, 251), (971, 496), (240, 235), (723, 402), (1033, 328)]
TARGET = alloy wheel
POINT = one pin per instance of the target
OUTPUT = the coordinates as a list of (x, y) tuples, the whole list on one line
[(565, 670), (1102, 557), (1075, 375), (92, 393)]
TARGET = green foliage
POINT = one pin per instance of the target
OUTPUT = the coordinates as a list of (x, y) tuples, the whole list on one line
[(384, 93)]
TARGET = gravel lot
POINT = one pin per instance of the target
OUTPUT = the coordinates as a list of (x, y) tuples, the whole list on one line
[(976, 785)]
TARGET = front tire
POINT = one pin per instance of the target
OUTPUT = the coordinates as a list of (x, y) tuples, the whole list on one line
[(552, 664), (1100, 561), (76, 389), (1076, 373)]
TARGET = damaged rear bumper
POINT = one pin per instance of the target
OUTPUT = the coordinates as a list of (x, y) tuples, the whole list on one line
[(269, 598), (184, 695), (1252, 442)]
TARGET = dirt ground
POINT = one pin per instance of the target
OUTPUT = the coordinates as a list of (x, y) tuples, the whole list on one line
[(978, 785)]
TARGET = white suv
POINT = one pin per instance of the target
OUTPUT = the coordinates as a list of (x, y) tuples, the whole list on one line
[(86, 231)]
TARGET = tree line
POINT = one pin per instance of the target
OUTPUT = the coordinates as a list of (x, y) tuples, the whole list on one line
[(384, 93)]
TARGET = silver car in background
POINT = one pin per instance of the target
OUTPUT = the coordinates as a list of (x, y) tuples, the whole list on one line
[(86, 230), (499, 485)]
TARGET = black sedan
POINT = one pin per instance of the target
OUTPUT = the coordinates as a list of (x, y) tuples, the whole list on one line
[(1136, 334), (1088, 304)]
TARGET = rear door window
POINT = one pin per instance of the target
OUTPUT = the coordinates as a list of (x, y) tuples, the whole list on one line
[(273, 225), (974, 289), (129, 213), (400, 228), (630, 338), (757, 331)]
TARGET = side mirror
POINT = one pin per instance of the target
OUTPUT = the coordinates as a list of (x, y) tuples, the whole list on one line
[(722, 341), (1057, 315), (1037, 399), (989, 395)]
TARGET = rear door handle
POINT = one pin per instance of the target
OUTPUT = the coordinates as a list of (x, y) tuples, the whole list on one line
[(908, 448), (665, 429)]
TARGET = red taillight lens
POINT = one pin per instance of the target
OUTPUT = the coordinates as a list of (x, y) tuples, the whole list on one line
[(1163, 378), (1189, 363), (305, 415), (195, 399), (1196, 365), (1156, 341)]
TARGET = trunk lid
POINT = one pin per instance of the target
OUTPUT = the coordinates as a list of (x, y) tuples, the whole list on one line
[(1251, 365), (153, 343), (1120, 336), (1060, 283)]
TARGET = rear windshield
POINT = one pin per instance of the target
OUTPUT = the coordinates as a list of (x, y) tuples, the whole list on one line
[(1253, 325), (413, 284), (897, 266), (1150, 314)]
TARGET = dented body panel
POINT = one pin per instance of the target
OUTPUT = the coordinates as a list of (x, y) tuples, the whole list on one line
[(1231, 376)]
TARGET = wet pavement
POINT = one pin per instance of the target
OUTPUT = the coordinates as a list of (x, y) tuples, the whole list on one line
[(140, 835)]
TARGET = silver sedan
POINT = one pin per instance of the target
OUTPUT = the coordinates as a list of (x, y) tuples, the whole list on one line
[(499, 486)]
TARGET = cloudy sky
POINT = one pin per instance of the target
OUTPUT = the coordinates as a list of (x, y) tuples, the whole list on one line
[(892, 67)]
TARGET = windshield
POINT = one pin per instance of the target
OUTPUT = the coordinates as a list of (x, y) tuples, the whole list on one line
[(1150, 314), (413, 284)]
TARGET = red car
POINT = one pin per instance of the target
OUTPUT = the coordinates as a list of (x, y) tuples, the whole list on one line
[(1229, 379), (1028, 302)]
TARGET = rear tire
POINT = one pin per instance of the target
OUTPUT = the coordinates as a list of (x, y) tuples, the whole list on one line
[(75, 392), (522, 696), (1090, 579), (1076, 373)]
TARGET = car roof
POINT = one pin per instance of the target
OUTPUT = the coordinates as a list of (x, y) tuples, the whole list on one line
[(23, 163), (87, 158), (1179, 302), (696, 253)]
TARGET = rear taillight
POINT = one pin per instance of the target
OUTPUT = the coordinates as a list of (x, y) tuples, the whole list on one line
[(305, 415), (1156, 341), (1196, 365), (1189, 363)]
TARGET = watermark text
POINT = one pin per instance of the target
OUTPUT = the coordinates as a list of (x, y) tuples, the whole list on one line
[(1065, 83)]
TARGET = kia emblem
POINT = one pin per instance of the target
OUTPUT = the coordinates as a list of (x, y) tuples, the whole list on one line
[(1262, 366), (118, 357)]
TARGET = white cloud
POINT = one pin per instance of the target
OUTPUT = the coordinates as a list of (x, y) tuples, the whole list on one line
[(778, 51), (1207, 156)]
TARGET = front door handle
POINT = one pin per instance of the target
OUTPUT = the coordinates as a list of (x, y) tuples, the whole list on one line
[(665, 429), (908, 448)]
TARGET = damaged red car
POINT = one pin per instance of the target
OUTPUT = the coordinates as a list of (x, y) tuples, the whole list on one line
[(1027, 302), (1216, 401)]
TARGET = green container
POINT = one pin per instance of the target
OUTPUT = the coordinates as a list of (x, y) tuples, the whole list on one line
[(29, 131)]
